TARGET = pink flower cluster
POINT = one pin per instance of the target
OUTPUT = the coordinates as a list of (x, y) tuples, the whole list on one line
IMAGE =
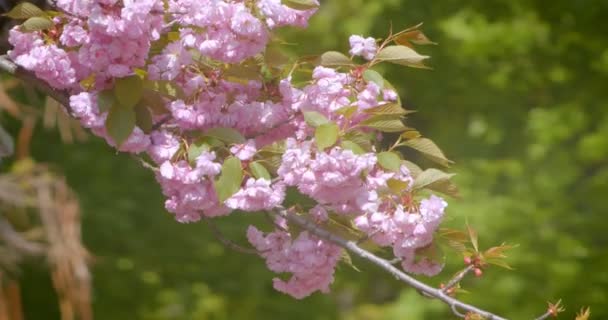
[(192, 45), (406, 230), (310, 260)]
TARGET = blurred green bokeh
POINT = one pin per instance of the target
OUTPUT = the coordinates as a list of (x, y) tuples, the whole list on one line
[(518, 98)]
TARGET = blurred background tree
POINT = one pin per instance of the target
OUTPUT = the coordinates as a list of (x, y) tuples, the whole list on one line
[(517, 98)]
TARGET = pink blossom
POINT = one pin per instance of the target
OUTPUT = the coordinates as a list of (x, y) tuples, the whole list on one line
[(310, 260), (257, 195), (365, 47)]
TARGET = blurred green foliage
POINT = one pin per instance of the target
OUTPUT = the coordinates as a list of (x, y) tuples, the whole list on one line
[(518, 98)]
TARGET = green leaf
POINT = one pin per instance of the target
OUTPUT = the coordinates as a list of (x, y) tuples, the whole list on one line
[(166, 88), (364, 140), (345, 257), (349, 145), (230, 179), (473, 237), (415, 36), (429, 149), (397, 186), (154, 101), (36, 24), (128, 91), (242, 73), (120, 123), (195, 150), (259, 171), (411, 134), (24, 10), (347, 111), (293, 197), (335, 59), (274, 56), (228, 135), (402, 55), (143, 118), (373, 76), (414, 169), (301, 4), (390, 161), (105, 100), (436, 180), (173, 36), (430, 176), (393, 109), (384, 123), (314, 119), (326, 135)]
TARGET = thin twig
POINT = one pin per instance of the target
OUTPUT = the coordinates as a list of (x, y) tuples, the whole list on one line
[(454, 281), (217, 233), (546, 315), (145, 164)]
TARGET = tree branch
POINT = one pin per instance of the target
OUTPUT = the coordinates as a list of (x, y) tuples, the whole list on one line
[(217, 233), (455, 305), (63, 97)]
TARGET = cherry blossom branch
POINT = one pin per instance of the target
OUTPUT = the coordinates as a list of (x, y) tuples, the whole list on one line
[(456, 305)]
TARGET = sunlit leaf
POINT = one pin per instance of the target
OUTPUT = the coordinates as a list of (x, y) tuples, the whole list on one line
[(473, 237), (384, 123), (259, 171), (227, 135), (335, 59), (402, 55), (415, 170), (373, 76), (364, 140), (429, 149), (347, 111), (411, 134), (397, 186), (430, 176), (242, 73), (388, 109), (36, 24), (165, 88), (326, 135), (301, 4), (414, 36), (314, 119), (390, 161), (196, 149), (24, 10), (230, 179), (352, 146)]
